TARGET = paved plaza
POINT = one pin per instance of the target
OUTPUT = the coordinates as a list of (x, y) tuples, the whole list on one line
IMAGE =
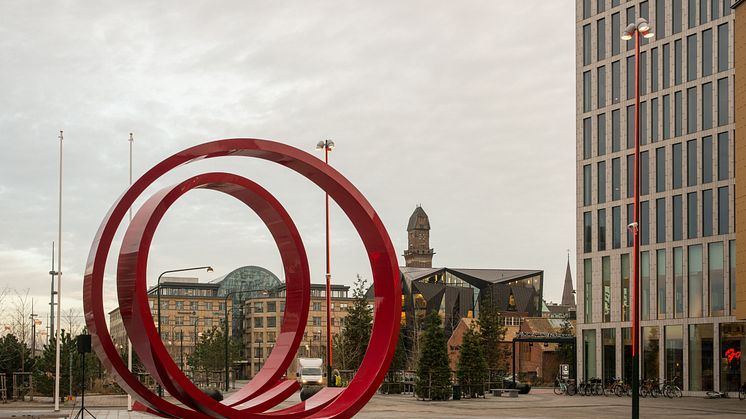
[(541, 403)]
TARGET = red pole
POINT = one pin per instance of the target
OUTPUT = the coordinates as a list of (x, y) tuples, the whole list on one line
[(328, 286), (636, 237)]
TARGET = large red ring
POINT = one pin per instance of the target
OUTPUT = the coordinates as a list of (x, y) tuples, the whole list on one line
[(330, 403)]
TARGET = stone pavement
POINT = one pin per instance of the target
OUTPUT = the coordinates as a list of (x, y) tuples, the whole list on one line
[(541, 403)]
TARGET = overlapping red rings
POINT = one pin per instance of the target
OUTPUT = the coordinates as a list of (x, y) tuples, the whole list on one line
[(267, 389)]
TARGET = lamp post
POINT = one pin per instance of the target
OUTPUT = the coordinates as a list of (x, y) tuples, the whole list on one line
[(225, 308), (327, 146), (640, 28), (158, 301), (58, 273)]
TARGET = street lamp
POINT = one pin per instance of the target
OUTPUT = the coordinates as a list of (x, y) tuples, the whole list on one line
[(327, 146), (640, 28), (158, 293), (225, 308)]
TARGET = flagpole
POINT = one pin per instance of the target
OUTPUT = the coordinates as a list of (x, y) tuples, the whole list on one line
[(129, 343), (59, 292)]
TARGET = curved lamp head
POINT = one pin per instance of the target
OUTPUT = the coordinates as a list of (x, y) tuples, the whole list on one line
[(209, 269), (328, 144), (642, 25), (629, 31)]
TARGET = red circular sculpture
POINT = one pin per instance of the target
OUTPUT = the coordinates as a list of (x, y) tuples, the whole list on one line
[(267, 389)]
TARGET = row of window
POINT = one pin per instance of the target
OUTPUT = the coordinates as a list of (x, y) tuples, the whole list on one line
[(708, 350), (697, 223), (704, 294), (698, 106), (271, 321), (697, 12), (188, 305), (189, 321), (705, 161)]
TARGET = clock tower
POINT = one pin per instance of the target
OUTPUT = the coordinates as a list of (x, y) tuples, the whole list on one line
[(418, 253)]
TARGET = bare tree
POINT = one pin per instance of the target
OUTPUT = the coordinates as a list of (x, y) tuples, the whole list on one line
[(20, 316), (73, 318)]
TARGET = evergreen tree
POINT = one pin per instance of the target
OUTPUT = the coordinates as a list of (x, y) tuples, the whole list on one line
[(15, 356), (69, 361), (492, 334), (472, 365), (433, 373), (350, 345), (209, 352)]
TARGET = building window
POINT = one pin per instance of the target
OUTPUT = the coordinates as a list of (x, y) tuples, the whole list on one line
[(589, 353), (643, 123), (676, 166), (644, 223), (723, 102), (631, 126), (723, 47), (666, 66), (723, 156), (630, 219), (691, 215), (660, 220), (650, 348), (691, 110), (630, 175), (616, 227), (666, 117), (715, 9), (630, 19), (677, 111), (723, 213), (691, 162), (631, 77), (691, 57), (707, 159), (615, 82), (601, 86), (707, 212), (602, 229), (707, 106), (258, 352), (696, 284), (692, 13), (316, 321), (615, 28), (676, 23), (606, 279), (660, 169), (678, 281), (608, 337), (626, 296), (732, 342), (660, 281), (271, 307), (587, 91), (677, 62), (703, 11), (587, 134), (674, 352), (701, 376), (601, 140), (587, 184), (678, 218), (644, 173), (258, 322), (587, 44), (660, 20), (616, 128), (180, 305), (615, 179), (179, 320), (600, 6), (645, 285), (586, 9), (706, 52), (272, 322), (732, 276), (316, 306), (654, 119), (654, 70), (601, 182), (587, 226), (716, 271), (601, 39)]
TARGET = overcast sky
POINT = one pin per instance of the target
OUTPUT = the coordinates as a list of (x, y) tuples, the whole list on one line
[(466, 108)]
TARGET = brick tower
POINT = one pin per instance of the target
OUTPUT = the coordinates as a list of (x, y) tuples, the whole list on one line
[(418, 253)]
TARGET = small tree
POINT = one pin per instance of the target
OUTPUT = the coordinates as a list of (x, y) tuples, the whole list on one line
[(209, 352), (492, 333), (472, 366), (433, 373), (350, 345)]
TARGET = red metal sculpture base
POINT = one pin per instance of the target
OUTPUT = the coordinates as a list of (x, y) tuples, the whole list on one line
[(266, 390)]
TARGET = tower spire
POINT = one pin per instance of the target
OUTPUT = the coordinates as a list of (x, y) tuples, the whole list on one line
[(568, 297)]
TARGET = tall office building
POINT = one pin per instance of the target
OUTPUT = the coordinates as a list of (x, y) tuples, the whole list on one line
[(687, 178)]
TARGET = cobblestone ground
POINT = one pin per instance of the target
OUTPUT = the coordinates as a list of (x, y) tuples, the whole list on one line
[(541, 403)]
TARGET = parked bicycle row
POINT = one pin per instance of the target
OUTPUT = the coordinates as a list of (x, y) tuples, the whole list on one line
[(617, 387)]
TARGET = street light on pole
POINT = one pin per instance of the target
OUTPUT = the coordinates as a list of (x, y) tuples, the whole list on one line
[(158, 298), (640, 28), (59, 292), (327, 146), (129, 343)]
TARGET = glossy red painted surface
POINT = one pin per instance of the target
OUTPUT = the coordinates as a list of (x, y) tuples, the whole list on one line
[(133, 260)]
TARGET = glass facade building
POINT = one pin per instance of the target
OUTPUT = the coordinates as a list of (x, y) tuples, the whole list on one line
[(687, 193)]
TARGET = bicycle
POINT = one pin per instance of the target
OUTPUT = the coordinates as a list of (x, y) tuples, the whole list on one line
[(671, 388), (564, 387), (742, 392), (716, 395)]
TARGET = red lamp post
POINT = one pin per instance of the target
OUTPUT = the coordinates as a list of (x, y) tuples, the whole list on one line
[(640, 28), (327, 146)]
